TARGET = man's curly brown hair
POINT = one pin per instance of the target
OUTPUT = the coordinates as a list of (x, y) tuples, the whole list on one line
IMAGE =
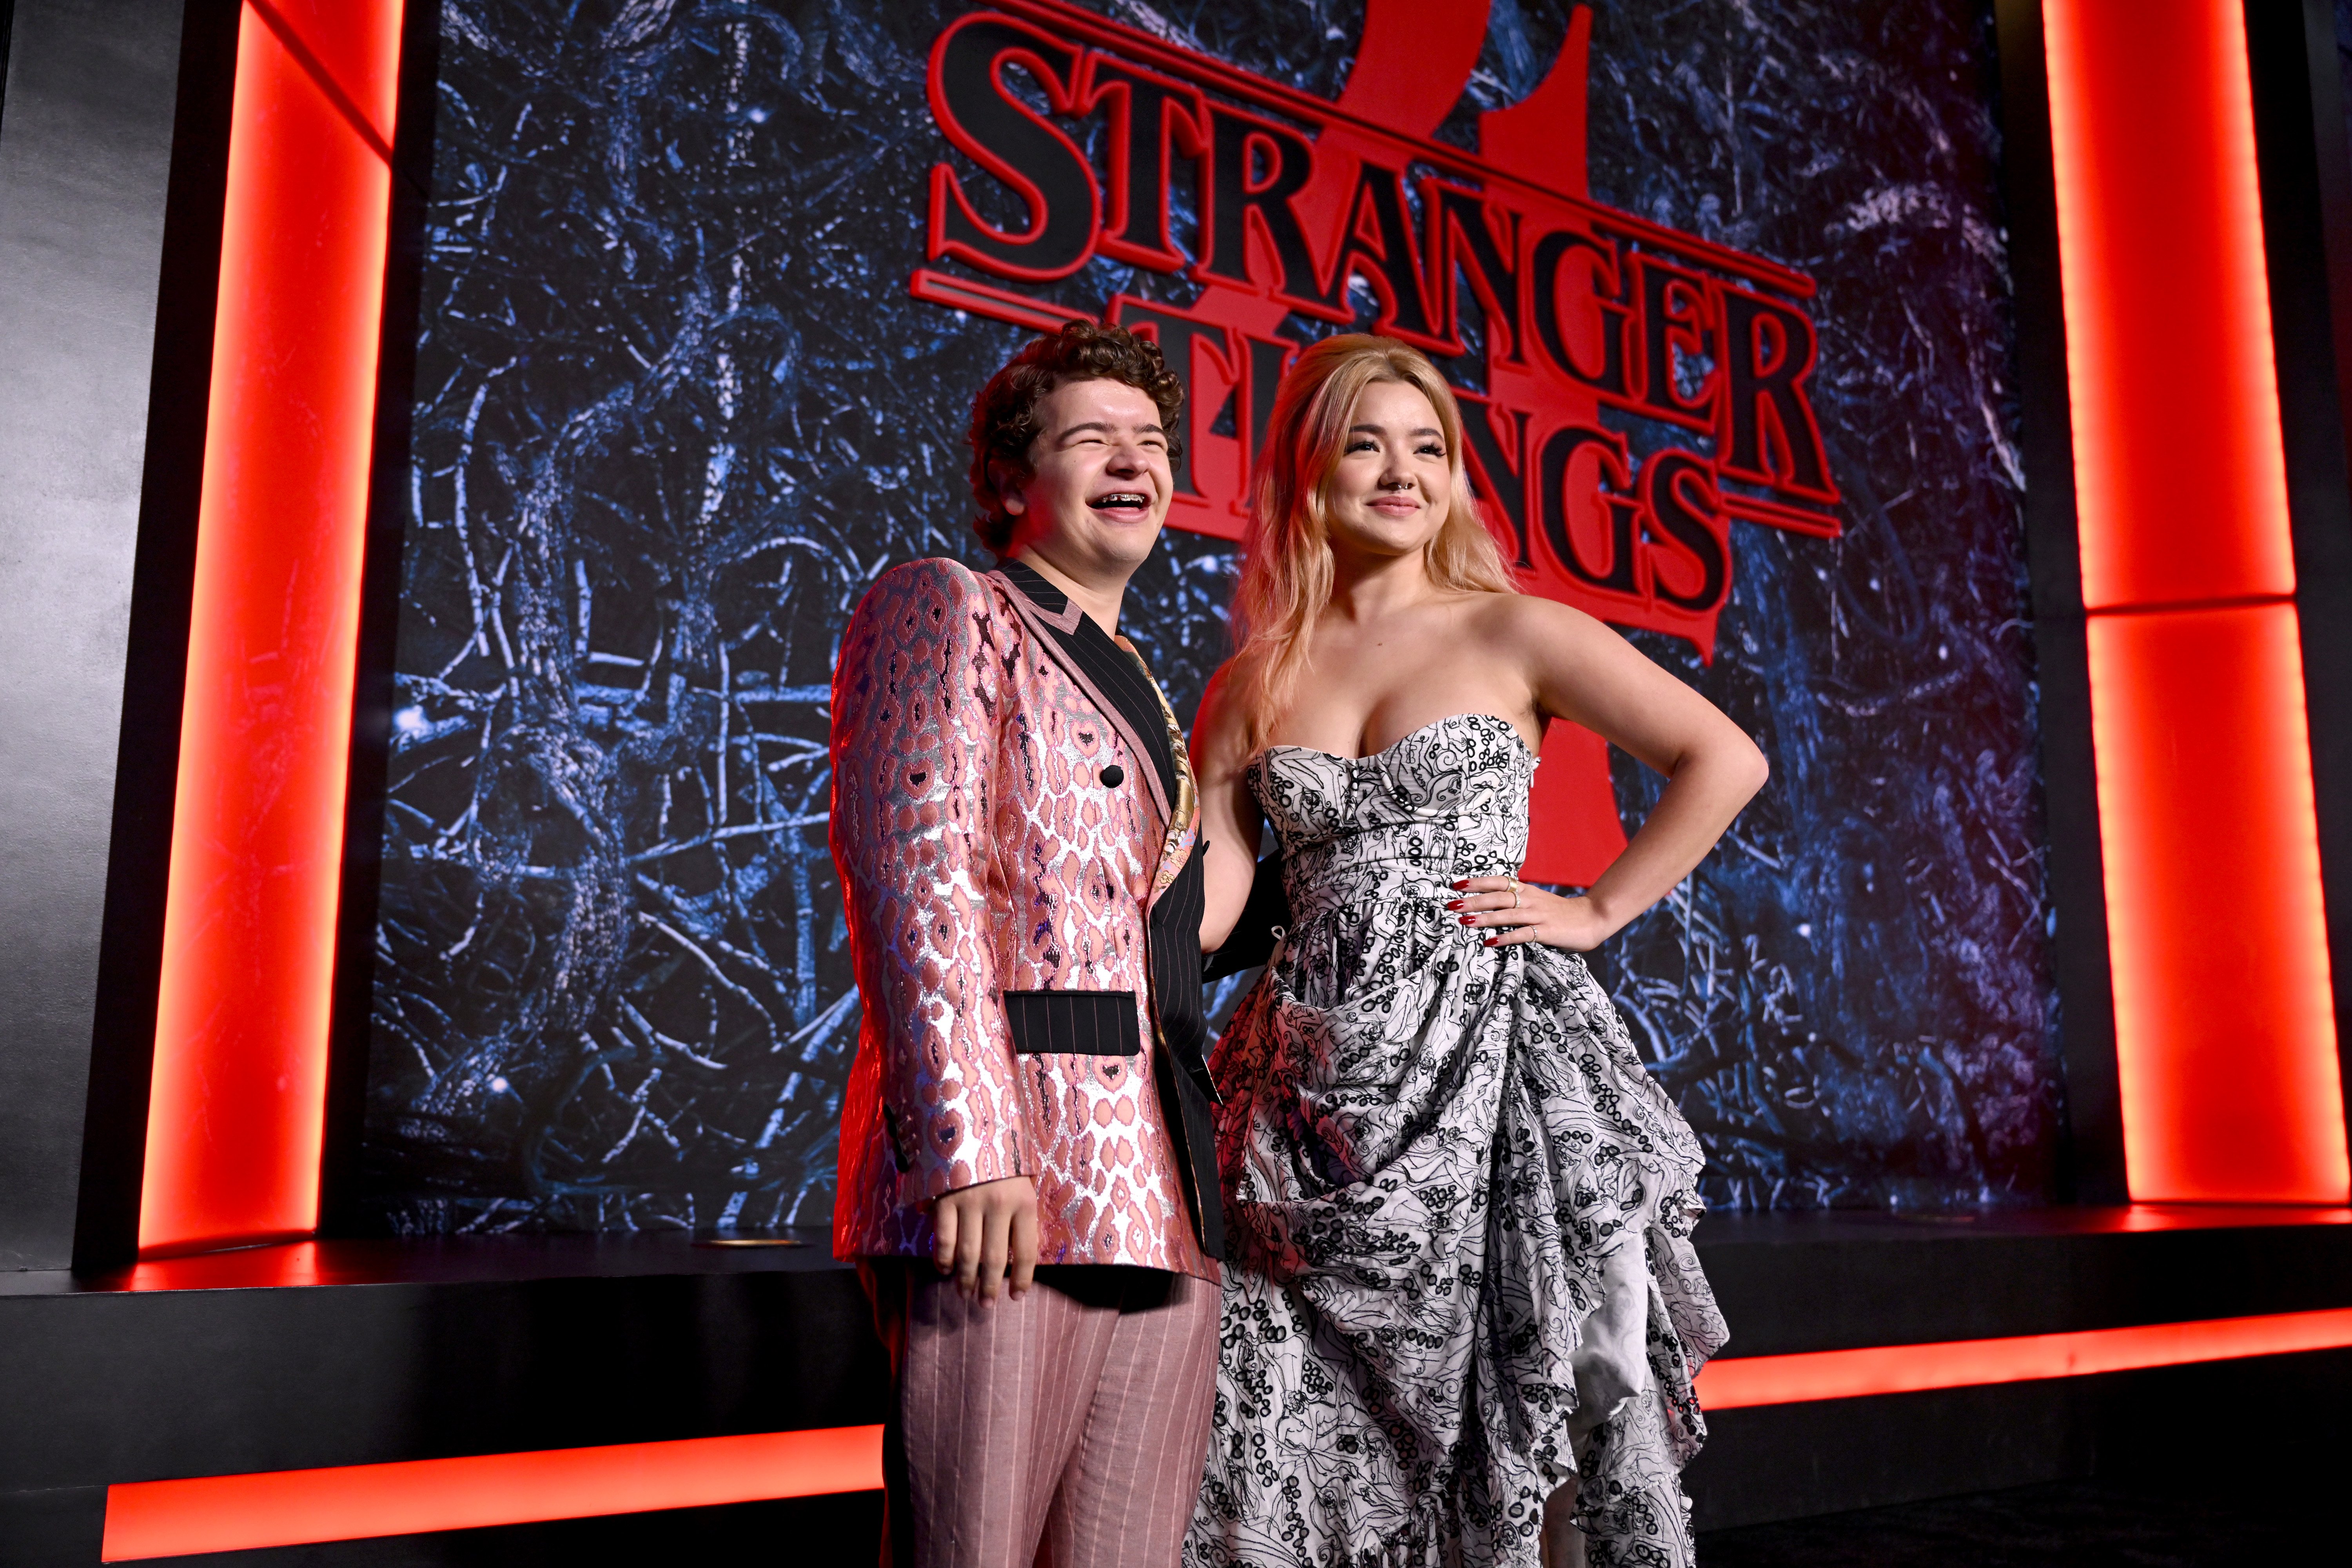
[(1004, 418)]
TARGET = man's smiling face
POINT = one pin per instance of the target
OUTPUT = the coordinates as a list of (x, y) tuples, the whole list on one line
[(1099, 481)]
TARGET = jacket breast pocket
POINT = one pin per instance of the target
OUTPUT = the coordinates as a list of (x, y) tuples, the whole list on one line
[(1074, 1023)]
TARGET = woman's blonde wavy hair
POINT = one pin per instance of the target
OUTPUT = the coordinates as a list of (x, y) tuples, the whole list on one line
[(1286, 577)]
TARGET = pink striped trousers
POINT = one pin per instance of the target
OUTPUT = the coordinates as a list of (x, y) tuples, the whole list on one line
[(1067, 1429)]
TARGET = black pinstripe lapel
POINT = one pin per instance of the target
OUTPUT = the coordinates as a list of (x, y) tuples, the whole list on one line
[(1172, 925), (1112, 670)]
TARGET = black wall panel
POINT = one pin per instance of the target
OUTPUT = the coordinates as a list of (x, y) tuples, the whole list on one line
[(85, 155), (2307, 187), (2094, 1166)]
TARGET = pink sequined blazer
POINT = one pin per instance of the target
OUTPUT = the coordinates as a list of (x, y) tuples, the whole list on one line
[(1014, 821)]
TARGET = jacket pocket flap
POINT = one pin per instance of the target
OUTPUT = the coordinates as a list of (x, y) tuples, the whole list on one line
[(1074, 1023)]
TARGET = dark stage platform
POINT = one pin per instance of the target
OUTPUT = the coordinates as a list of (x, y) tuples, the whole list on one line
[(349, 1352), (2060, 1524)]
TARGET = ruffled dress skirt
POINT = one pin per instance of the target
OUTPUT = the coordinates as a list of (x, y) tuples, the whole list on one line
[(1461, 1272)]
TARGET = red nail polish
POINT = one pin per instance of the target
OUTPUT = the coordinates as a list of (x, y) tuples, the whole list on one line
[(1469, 919), (1461, 884), (1452, 903), (1491, 942)]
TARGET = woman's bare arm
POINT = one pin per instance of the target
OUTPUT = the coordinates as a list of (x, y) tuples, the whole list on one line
[(1580, 671), (1230, 820)]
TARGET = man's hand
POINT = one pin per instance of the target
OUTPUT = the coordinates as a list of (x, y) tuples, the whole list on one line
[(986, 1233)]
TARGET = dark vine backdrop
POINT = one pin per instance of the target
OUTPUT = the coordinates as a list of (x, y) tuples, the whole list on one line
[(675, 410)]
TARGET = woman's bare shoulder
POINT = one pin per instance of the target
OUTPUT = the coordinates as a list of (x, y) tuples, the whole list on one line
[(1511, 619), (1216, 695)]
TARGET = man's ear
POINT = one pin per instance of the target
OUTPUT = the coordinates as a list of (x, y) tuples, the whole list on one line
[(1011, 486)]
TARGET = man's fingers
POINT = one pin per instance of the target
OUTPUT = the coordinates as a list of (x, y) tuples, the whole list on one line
[(1025, 1249), (943, 1235), (993, 1243), (970, 1237), (971, 1233)]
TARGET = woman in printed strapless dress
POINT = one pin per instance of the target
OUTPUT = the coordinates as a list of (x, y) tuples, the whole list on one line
[(1462, 1313)]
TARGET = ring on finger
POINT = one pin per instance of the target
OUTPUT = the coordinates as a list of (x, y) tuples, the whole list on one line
[(1515, 893)]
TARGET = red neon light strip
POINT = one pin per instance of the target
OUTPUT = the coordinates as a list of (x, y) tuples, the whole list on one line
[(1966, 1364), (2229, 1089), (289, 1508), (322, 74), (2225, 1035), (2179, 467), (236, 1113), (295, 1508)]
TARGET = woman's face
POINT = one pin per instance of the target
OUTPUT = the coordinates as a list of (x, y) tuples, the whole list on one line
[(1390, 491)]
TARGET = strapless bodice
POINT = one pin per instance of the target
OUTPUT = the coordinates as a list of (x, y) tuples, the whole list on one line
[(1448, 801)]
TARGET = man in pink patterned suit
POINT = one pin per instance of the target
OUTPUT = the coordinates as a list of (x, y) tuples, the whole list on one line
[(1027, 1172)]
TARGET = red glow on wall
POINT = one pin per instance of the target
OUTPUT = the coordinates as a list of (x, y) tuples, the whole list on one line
[(1967, 1364), (2224, 1020), (235, 1119), (1573, 793), (2179, 470), (292, 1507), (2225, 1038)]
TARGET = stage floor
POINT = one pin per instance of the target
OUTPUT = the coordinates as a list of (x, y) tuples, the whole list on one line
[(1738, 1247), (2066, 1524), (346, 1353)]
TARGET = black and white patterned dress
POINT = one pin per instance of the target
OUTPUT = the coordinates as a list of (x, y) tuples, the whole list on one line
[(1459, 1211)]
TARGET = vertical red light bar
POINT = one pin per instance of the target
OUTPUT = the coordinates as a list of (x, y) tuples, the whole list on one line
[(2225, 1036), (235, 1115)]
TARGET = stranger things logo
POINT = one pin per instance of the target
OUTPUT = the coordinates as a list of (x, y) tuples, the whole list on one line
[(1266, 207)]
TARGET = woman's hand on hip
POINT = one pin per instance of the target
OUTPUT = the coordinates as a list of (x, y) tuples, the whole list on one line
[(1507, 912)]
